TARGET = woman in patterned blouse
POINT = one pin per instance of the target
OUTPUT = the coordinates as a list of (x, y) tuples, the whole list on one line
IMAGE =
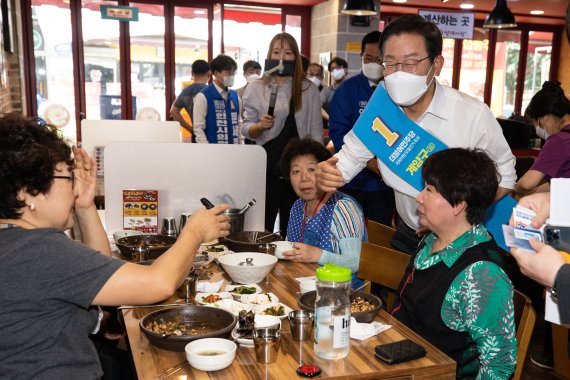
[(326, 227), (455, 293)]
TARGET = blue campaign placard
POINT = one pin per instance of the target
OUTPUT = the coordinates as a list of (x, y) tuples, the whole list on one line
[(395, 139)]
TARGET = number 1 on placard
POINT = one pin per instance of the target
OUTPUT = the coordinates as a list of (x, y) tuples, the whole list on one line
[(390, 136)]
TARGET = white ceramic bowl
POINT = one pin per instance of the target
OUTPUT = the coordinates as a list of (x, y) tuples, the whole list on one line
[(121, 234), (262, 265), (307, 286), (210, 354), (282, 246), (261, 321)]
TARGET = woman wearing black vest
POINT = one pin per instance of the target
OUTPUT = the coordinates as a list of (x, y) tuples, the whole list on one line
[(454, 292), (280, 106)]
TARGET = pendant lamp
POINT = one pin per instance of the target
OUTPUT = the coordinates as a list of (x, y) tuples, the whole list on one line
[(359, 8), (500, 17)]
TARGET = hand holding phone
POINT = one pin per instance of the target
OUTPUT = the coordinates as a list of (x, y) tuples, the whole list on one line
[(399, 352)]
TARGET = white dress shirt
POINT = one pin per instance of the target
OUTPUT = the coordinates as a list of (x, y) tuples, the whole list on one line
[(200, 112), (456, 119)]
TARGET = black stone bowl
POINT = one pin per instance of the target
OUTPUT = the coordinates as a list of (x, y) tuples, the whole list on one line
[(242, 241), (218, 322), (158, 244), (306, 301)]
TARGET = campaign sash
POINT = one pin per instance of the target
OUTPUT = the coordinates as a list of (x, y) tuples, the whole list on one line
[(397, 141)]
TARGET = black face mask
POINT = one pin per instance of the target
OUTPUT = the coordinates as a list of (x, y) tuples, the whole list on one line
[(288, 66)]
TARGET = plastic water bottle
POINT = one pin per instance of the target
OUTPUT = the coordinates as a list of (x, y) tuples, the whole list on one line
[(332, 312)]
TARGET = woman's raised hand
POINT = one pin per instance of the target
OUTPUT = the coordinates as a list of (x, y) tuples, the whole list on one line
[(85, 173)]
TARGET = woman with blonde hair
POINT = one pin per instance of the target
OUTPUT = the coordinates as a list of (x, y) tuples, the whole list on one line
[(280, 106)]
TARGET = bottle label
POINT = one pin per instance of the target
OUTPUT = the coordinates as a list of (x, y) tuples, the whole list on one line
[(341, 331)]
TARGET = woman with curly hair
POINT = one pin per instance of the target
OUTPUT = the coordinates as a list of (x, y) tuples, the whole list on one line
[(50, 283)]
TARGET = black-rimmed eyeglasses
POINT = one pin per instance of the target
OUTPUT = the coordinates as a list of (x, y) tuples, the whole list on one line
[(70, 177)]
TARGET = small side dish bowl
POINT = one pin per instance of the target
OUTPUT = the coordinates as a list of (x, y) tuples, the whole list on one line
[(210, 354), (282, 246)]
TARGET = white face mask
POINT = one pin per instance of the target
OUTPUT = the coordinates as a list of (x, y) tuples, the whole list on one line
[(228, 81), (541, 132), (316, 80), (404, 88), (372, 71), (252, 78), (337, 74)]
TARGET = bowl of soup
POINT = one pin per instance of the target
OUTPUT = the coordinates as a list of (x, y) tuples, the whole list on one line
[(210, 354)]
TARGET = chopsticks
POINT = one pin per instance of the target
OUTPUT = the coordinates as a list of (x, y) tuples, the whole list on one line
[(171, 370), (126, 307)]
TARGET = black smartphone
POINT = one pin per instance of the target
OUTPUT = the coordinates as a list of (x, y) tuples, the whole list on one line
[(207, 203), (399, 352), (558, 237)]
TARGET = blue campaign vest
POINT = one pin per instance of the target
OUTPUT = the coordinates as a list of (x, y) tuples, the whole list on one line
[(318, 229), (222, 116)]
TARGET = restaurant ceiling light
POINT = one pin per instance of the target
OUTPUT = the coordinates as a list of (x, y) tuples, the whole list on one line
[(500, 17), (466, 6), (537, 12), (399, 1), (359, 8)]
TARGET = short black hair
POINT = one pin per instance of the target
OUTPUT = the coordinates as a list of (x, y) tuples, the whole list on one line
[(251, 65), (29, 153), (415, 24), (223, 62), (317, 65), (200, 67), (461, 174), (371, 38), (340, 62), (548, 100), (301, 147)]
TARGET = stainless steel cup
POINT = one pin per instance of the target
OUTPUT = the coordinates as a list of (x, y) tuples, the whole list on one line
[(266, 343), (301, 322), (183, 219), (169, 227), (187, 291)]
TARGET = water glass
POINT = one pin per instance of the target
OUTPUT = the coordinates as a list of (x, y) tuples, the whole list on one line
[(266, 343), (301, 322)]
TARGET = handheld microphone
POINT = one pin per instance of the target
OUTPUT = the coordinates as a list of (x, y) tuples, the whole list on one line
[(272, 100)]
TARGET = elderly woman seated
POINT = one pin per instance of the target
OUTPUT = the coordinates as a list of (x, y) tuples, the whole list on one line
[(455, 293), (327, 227), (48, 282)]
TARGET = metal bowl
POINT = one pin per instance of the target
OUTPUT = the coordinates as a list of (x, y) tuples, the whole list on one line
[(157, 244), (218, 322), (244, 241), (306, 301)]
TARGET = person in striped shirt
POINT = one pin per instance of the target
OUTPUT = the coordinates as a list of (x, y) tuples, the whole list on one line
[(326, 227)]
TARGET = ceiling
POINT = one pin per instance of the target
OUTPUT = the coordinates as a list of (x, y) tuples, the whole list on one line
[(521, 8)]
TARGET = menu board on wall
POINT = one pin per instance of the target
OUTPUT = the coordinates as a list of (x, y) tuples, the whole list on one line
[(140, 210)]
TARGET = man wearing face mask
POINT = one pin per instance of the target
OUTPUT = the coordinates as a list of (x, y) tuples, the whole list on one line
[(348, 102), (217, 115), (251, 72), (411, 50), (338, 69)]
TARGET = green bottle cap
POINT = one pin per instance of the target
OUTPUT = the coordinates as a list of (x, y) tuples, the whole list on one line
[(333, 273)]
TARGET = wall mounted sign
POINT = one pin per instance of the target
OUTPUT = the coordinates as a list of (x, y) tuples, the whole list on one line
[(452, 24), (121, 13)]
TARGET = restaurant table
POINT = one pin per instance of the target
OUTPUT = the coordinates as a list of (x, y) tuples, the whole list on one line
[(150, 361)]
